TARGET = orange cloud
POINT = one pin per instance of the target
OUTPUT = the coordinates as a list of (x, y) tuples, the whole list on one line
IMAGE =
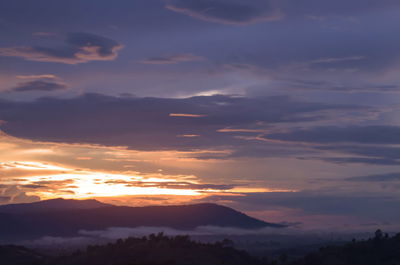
[(46, 76), (189, 135), (186, 115)]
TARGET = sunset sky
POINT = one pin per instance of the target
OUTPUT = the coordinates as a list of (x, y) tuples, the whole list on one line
[(286, 110)]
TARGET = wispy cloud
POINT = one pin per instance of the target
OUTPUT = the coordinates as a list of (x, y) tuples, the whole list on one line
[(43, 83), (45, 76), (235, 12), (173, 59), (186, 115), (40, 85), (388, 177)]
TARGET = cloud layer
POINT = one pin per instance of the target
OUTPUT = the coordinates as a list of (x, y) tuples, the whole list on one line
[(153, 123), (334, 134)]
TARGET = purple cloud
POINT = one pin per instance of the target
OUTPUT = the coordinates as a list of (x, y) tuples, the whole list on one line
[(234, 12), (173, 59), (78, 48), (40, 85)]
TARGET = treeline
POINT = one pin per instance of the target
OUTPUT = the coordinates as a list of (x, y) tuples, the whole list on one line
[(379, 250), (151, 250), (181, 250), (158, 250)]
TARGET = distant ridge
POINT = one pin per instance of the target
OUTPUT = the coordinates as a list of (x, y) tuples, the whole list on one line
[(61, 217), (51, 205)]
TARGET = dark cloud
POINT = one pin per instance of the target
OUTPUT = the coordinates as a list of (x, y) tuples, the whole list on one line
[(145, 123), (361, 144), (255, 149), (227, 11), (246, 12), (50, 186), (380, 151), (78, 48), (40, 85), (362, 154), (377, 178), (171, 185), (343, 58), (340, 7), (13, 194), (173, 59), (33, 186), (337, 87), (4, 199), (378, 134), (316, 203), (361, 160)]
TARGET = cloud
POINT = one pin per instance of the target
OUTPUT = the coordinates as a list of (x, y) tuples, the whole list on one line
[(361, 160), (172, 185), (338, 87), (145, 123), (186, 115), (239, 12), (361, 154), (44, 83), (234, 12), (377, 178), (377, 134), (40, 85), (173, 59), (320, 203), (50, 186), (189, 135), (13, 194), (78, 48), (371, 144), (378, 151), (45, 76)]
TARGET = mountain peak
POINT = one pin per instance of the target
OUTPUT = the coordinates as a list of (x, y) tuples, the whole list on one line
[(51, 205)]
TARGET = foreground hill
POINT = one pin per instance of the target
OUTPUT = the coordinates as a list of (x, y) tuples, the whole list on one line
[(152, 250), (158, 250), (66, 217), (16, 255)]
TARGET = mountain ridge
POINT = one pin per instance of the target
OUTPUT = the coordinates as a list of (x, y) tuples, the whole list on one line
[(51, 205), (72, 216)]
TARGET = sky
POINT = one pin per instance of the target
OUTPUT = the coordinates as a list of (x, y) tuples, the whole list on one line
[(286, 110)]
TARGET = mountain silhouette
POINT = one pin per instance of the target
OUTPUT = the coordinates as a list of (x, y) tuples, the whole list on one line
[(51, 205), (61, 217)]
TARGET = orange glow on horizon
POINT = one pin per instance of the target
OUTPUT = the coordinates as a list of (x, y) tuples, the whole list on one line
[(80, 171)]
